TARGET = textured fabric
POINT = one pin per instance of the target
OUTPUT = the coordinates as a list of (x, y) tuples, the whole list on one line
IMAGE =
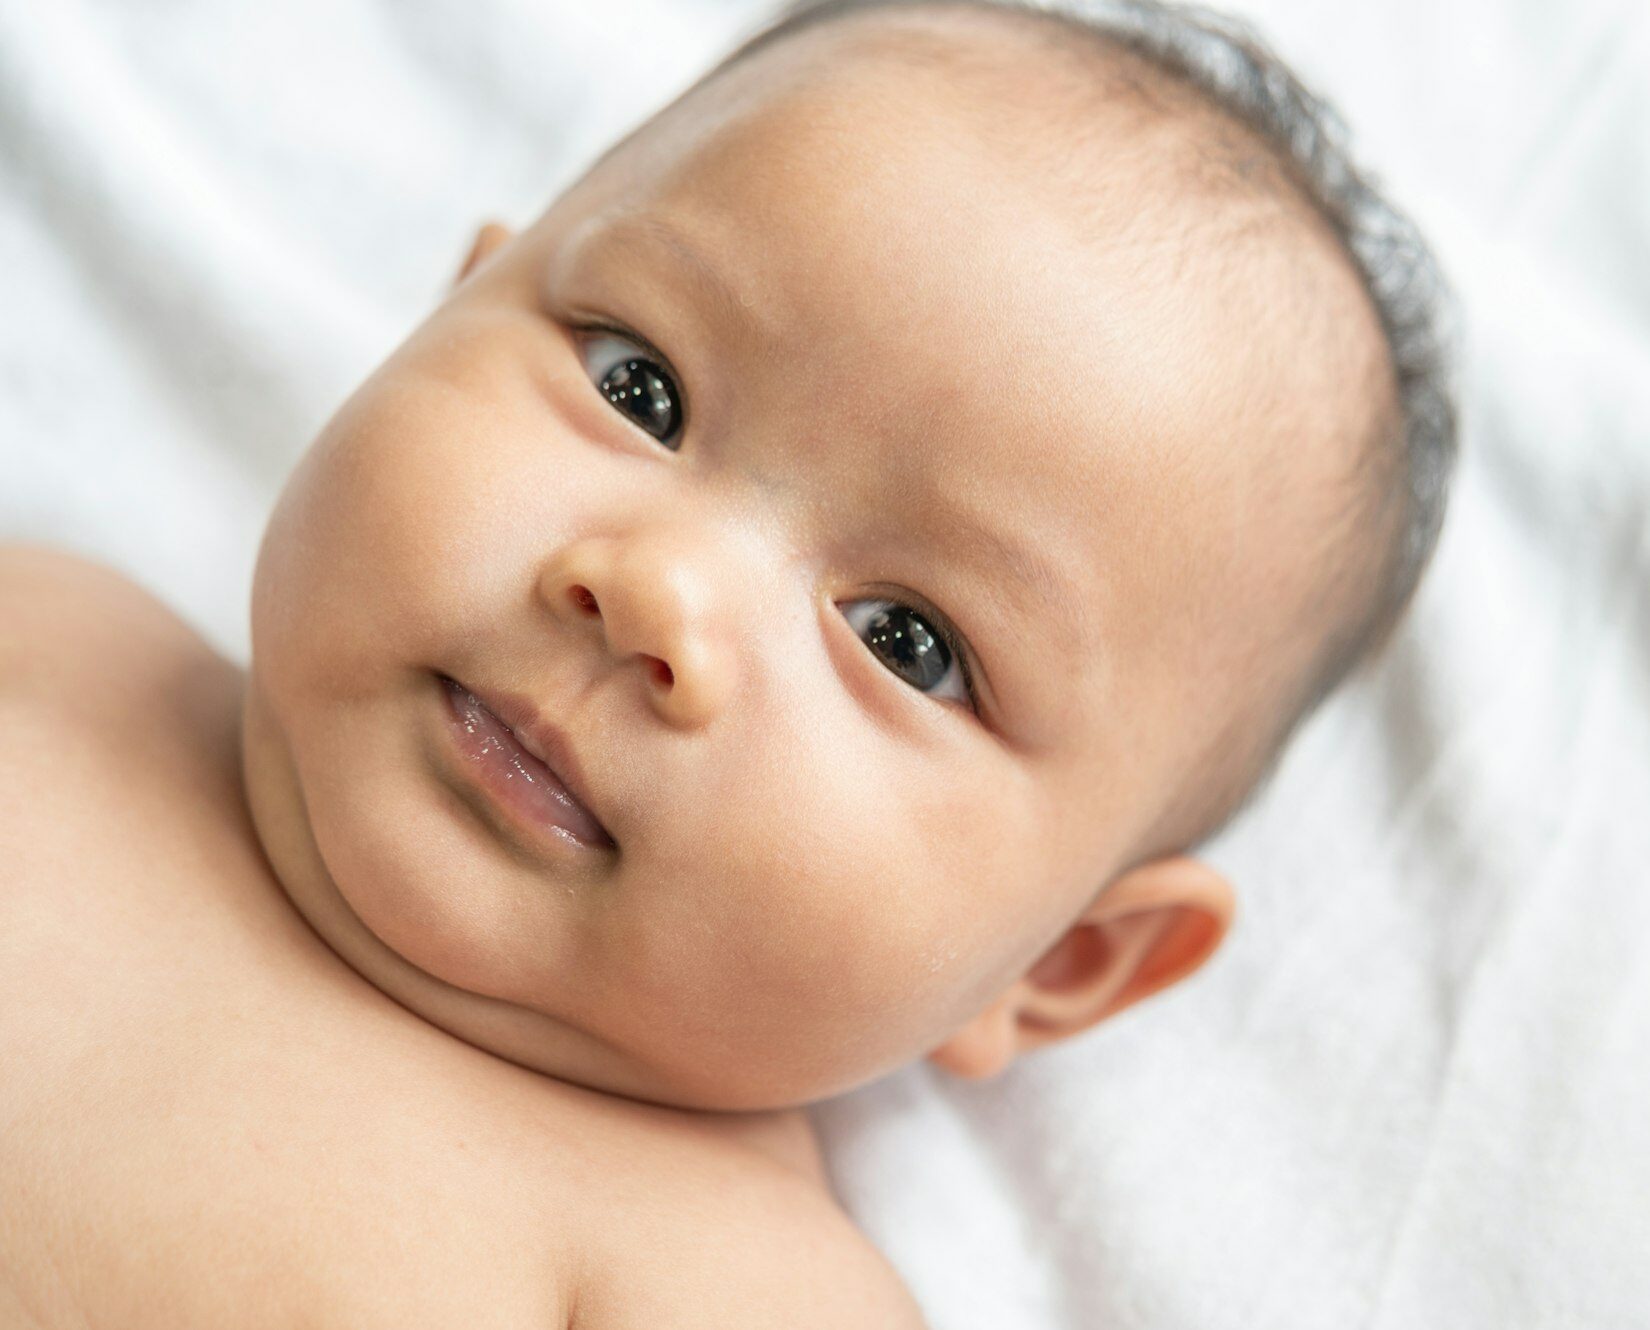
[(1412, 1090)]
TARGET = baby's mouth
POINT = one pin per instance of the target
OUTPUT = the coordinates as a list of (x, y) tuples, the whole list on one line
[(508, 767)]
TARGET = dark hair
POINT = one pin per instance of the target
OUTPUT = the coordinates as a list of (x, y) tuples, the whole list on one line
[(1224, 60)]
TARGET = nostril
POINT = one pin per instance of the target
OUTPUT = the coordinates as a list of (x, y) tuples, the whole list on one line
[(583, 598), (662, 671)]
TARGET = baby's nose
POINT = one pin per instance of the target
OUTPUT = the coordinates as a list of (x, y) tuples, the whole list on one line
[(647, 600), (585, 599)]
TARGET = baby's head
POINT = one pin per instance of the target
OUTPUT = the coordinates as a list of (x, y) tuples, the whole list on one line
[(923, 475)]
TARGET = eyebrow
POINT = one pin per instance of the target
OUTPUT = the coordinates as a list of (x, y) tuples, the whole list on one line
[(1017, 555), (711, 281), (1028, 567)]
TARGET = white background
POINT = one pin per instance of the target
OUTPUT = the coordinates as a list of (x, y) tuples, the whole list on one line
[(1412, 1089)]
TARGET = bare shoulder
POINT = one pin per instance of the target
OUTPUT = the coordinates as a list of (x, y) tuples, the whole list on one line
[(116, 723), (763, 1249), (72, 629), (51, 598)]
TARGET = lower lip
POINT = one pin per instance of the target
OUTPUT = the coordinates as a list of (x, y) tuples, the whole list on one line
[(514, 777)]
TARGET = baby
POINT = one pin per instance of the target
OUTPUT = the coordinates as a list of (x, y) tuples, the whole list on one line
[(789, 611)]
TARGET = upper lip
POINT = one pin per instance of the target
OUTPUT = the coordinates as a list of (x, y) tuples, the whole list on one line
[(544, 741)]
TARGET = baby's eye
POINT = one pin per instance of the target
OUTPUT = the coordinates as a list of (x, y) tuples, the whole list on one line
[(924, 656), (638, 385)]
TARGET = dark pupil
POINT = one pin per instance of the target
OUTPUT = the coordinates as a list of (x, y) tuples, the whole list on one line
[(638, 389), (912, 651)]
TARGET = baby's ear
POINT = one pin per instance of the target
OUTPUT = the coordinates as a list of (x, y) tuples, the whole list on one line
[(489, 237), (1153, 926)]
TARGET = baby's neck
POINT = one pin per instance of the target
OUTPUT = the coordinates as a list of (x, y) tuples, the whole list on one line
[(784, 1135)]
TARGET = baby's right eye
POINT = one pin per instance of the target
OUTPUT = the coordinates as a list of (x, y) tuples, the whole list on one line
[(638, 385)]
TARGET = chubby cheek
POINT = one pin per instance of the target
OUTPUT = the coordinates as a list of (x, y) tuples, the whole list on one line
[(402, 530), (856, 911)]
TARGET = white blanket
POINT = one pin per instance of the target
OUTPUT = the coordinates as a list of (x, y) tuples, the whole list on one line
[(1413, 1090)]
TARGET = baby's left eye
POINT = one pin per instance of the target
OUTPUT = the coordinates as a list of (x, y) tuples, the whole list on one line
[(924, 654), (637, 385)]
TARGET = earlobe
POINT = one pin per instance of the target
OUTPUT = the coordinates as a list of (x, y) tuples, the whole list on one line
[(983, 1047), (490, 236), (1153, 926)]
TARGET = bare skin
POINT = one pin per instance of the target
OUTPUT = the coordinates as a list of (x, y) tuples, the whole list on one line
[(220, 1123), (317, 1025)]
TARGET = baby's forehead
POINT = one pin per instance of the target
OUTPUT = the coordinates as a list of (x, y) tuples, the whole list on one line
[(1044, 335), (881, 202)]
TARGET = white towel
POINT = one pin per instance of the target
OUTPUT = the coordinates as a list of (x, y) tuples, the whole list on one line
[(1413, 1088)]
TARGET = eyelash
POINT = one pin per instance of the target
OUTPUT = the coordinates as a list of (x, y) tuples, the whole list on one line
[(946, 632), (929, 613), (652, 353)]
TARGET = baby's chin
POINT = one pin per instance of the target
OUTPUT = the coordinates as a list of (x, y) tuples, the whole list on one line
[(334, 852), (335, 855)]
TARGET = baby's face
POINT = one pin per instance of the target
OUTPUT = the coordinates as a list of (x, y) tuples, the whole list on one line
[(897, 381)]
